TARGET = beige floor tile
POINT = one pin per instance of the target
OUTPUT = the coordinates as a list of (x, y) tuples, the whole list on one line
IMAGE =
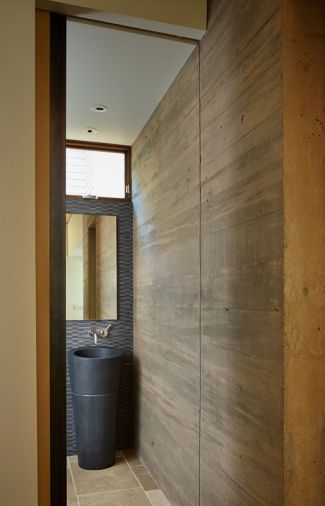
[(71, 495), (144, 478), (74, 458), (132, 458), (157, 498), (116, 477), (135, 497)]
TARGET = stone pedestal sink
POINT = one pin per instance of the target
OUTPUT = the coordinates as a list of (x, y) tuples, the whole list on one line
[(94, 376)]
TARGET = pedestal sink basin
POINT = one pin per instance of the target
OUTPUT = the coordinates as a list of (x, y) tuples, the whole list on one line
[(94, 376)]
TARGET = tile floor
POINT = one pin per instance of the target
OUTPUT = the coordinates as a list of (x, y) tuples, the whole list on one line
[(127, 483)]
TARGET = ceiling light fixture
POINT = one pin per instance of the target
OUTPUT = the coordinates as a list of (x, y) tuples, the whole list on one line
[(98, 108), (91, 130)]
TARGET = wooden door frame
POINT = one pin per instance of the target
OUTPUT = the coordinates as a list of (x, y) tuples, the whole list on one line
[(50, 256), (57, 259), (42, 219)]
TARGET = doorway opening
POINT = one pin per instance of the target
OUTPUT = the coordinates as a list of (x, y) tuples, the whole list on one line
[(105, 84)]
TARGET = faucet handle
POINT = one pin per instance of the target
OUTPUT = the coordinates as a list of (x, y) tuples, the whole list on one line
[(104, 332)]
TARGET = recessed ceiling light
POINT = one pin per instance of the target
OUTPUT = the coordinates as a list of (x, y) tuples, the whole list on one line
[(98, 108), (91, 130)]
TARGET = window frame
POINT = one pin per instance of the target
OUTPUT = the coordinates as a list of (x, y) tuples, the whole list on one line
[(112, 148)]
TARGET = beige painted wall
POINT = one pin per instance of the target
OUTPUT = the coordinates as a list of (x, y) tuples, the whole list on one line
[(191, 13), (18, 476)]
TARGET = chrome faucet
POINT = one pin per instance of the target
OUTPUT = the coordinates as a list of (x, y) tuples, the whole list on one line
[(100, 333)]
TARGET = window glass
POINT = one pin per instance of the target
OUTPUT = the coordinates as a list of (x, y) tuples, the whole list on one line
[(95, 173)]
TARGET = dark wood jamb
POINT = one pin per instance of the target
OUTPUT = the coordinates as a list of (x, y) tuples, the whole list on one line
[(42, 188), (57, 260), (102, 146)]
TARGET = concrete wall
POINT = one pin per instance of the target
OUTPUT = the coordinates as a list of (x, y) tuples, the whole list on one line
[(304, 250), (241, 255), (208, 268), (229, 293), (166, 197), (18, 482)]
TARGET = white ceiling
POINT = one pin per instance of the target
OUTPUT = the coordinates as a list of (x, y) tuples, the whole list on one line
[(127, 72)]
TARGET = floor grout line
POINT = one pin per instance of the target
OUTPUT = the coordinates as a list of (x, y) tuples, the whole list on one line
[(145, 491), (161, 492), (152, 504), (144, 466), (108, 491), (157, 485), (124, 458), (73, 482), (138, 479), (93, 493), (134, 475)]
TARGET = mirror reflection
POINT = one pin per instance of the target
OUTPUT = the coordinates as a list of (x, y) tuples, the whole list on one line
[(91, 267)]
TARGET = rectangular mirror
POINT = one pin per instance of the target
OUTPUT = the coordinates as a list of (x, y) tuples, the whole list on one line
[(91, 267)]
